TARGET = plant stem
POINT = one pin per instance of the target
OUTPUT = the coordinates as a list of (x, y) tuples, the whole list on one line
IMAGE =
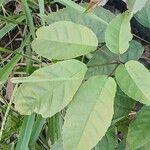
[(7, 111), (41, 7), (141, 38), (38, 125), (25, 133)]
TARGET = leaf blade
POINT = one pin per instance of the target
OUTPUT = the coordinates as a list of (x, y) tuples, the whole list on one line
[(79, 123), (135, 5), (139, 130), (134, 80), (50, 96), (69, 14), (64, 40), (143, 15), (116, 39)]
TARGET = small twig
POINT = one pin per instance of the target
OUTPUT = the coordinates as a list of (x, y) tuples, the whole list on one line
[(23, 55), (148, 59), (141, 39), (7, 111), (114, 70), (11, 40)]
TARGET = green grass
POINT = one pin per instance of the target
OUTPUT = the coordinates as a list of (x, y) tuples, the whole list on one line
[(30, 127)]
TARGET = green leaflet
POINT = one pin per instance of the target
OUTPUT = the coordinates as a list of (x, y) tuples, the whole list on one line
[(87, 120), (80, 9), (122, 106), (134, 80), (118, 34), (143, 16), (122, 145), (64, 40), (69, 14), (139, 130), (108, 142), (49, 89), (145, 147), (135, 5), (58, 145), (134, 52)]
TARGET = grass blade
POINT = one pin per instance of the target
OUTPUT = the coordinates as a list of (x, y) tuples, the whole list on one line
[(25, 132), (7, 69), (54, 128), (28, 17), (10, 26), (36, 130), (10, 20), (41, 7)]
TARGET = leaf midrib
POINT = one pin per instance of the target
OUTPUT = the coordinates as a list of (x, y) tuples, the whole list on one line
[(87, 120), (136, 85), (65, 42)]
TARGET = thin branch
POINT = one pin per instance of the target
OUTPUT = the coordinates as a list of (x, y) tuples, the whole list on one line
[(6, 113), (141, 38), (114, 69)]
